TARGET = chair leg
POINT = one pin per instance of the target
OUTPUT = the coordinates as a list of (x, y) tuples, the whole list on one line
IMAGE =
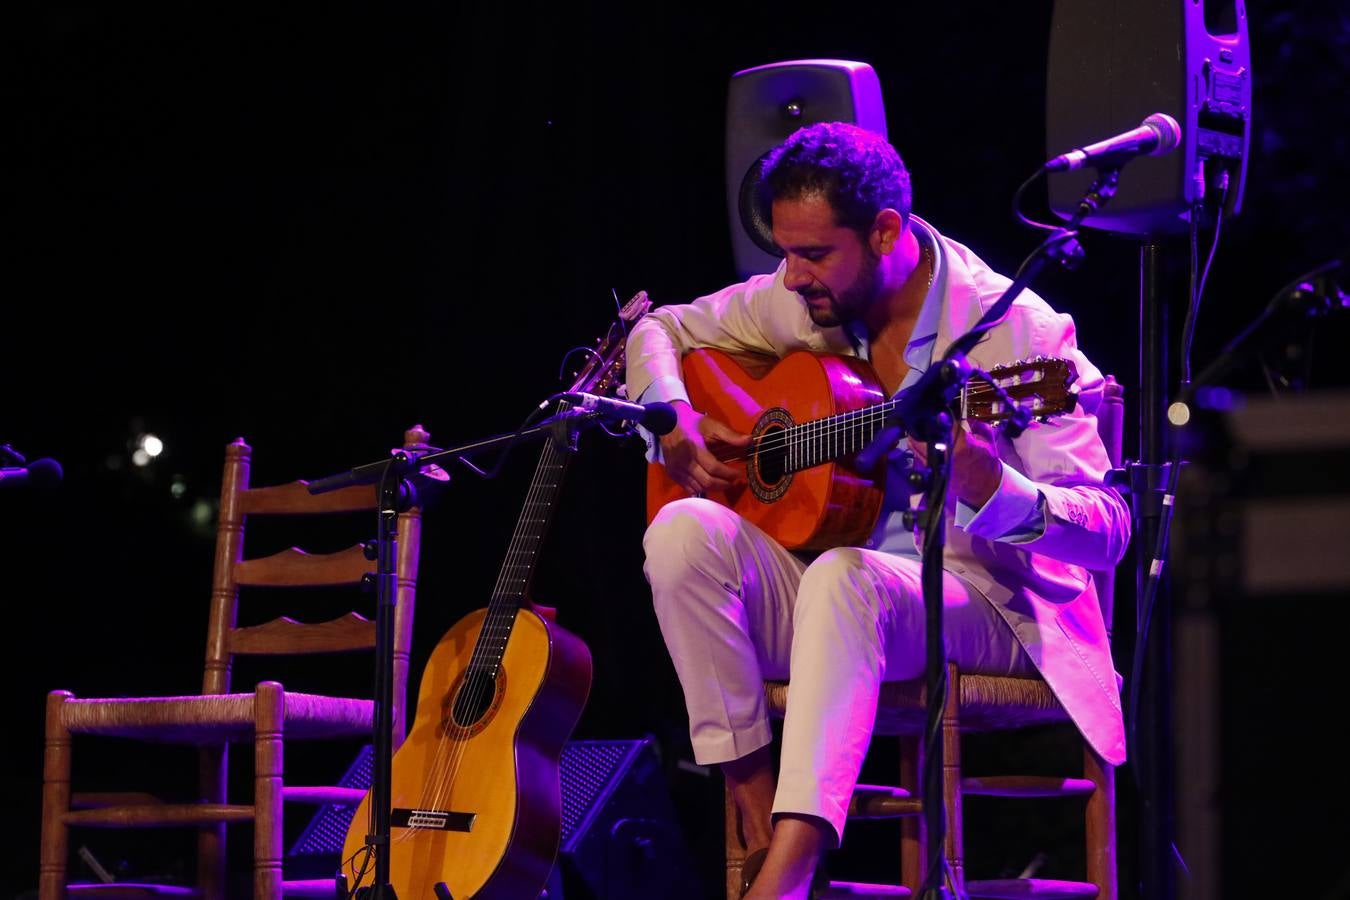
[(953, 843), (267, 777), (735, 845), (212, 769), (1100, 823), (913, 838), (55, 801)]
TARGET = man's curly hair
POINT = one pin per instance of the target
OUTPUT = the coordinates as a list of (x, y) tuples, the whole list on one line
[(856, 170)]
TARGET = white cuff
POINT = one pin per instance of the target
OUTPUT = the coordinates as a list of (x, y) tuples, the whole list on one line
[(1015, 512)]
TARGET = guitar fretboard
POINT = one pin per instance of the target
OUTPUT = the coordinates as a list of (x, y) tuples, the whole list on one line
[(802, 446), (821, 440), (513, 581)]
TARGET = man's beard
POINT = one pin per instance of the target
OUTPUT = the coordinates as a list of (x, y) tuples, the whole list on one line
[(853, 301)]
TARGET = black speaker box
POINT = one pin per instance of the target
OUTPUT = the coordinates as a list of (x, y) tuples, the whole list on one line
[(314, 854), (765, 105), (1114, 62), (619, 836)]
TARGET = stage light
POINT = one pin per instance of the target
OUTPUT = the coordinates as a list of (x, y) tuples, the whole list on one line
[(145, 448)]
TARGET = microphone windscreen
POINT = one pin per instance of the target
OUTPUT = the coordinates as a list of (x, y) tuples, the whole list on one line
[(659, 418), (1169, 132)]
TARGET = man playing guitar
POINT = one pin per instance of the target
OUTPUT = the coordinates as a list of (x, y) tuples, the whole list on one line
[(1028, 516)]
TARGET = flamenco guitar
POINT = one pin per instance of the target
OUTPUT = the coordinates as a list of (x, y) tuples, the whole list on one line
[(808, 415), (474, 788)]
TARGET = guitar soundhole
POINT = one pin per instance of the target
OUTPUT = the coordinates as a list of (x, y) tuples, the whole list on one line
[(771, 462), (767, 471), (472, 703)]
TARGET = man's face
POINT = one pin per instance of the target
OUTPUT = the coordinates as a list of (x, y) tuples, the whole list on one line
[(829, 265)]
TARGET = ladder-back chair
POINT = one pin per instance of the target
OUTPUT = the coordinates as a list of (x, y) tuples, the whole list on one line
[(267, 717)]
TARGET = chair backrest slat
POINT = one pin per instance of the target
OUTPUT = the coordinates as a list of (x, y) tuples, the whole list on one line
[(351, 631), (296, 568), (295, 499)]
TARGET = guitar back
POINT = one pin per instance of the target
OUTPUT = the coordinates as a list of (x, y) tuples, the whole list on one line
[(813, 509)]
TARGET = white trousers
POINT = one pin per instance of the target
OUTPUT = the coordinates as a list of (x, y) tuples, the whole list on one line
[(735, 609)]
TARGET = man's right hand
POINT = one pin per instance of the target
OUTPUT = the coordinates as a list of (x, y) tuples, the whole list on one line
[(689, 451)]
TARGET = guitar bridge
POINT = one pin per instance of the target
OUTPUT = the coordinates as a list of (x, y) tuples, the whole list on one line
[(435, 819)]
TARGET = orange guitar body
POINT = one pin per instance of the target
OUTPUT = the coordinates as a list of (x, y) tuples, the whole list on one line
[(501, 768), (825, 506)]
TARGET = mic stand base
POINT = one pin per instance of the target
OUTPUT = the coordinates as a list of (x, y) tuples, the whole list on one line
[(376, 892), (371, 892)]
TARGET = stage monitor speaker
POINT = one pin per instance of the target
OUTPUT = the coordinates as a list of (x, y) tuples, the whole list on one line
[(619, 838), (765, 105), (315, 853), (1114, 62)]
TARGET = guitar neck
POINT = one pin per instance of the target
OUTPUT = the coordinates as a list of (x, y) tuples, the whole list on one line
[(823, 440), (1038, 388), (517, 571), (601, 372)]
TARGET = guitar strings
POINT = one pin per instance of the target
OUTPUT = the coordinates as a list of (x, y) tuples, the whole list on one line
[(496, 628), (802, 438)]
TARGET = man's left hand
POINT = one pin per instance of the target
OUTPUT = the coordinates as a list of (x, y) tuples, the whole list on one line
[(976, 469)]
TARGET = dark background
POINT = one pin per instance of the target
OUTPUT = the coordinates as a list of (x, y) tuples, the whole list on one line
[(314, 226)]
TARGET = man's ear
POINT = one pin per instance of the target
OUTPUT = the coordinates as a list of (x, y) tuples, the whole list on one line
[(886, 230)]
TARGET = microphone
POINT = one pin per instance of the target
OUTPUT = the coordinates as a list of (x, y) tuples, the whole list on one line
[(658, 418), (1158, 134), (38, 472)]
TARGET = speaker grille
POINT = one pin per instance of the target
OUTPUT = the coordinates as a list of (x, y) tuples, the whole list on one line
[(588, 770), (765, 105), (326, 832)]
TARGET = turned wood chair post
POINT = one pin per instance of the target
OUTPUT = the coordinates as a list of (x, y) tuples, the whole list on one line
[(55, 795), (913, 829), (1100, 821), (214, 762), (735, 844), (269, 764), (953, 843)]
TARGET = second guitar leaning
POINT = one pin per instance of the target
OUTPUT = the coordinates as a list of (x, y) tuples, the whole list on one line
[(475, 793)]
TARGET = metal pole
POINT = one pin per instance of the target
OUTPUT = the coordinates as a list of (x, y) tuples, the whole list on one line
[(1153, 761)]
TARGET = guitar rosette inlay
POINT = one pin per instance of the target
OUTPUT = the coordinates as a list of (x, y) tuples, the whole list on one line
[(766, 470)]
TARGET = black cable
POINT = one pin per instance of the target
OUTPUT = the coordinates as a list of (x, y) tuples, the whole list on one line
[(1017, 204)]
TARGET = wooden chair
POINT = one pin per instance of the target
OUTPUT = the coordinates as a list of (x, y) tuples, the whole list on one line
[(975, 703), (268, 717)]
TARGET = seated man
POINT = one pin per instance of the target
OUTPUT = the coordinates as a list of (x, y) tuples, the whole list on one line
[(1026, 517)]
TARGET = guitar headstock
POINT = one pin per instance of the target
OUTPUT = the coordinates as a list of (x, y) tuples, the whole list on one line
[(1041, 386), (604, 366)]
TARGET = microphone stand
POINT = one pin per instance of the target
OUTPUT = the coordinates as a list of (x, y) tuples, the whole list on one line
[(1152, 483), (923, 412), (397, 493)]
